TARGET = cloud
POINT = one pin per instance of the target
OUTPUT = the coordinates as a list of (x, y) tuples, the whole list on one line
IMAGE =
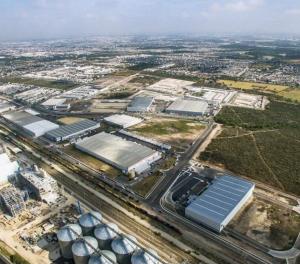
[(237, 6), (293, 12)]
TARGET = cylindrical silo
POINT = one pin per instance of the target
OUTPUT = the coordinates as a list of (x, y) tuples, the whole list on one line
[(105, 234), (123, 248), (140, 256), (66, 236), (83, 248), (89, 221), (107, 257)]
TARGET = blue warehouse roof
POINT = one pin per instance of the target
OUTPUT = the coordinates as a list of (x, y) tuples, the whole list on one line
[(220, 201)]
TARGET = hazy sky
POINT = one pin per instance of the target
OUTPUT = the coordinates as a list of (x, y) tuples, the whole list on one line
[(25, 19)]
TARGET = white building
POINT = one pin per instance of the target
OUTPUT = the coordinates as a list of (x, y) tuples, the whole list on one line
[(127, 156), (7, 168), (188, 107), (122, 121)]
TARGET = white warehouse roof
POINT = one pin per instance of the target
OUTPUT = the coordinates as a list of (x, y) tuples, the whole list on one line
[(32, 124), (123, 154), (123, 121), (219, 203), (192, 107)]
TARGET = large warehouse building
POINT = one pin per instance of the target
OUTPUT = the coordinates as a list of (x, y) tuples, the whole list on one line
[(122, 121), (188, 107), (140, 104), (73, 130), (220, 202), (127, 156), (31, 124)]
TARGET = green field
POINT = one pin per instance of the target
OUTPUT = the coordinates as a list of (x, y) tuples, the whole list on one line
[(58, 84), (262, 145)]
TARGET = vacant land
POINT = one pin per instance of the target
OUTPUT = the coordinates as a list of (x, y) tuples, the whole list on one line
[(92, 162), (177, 132), (144, 186), (69, 120), (281, 90), (271, 225), (58, 84), (145, 79), (262, 145)]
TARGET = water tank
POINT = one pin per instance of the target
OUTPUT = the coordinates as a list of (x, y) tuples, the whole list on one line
[(105, 234), (108, 257), (142, 257), (123, 248), (89, 221), (83, 248), (66, 236)]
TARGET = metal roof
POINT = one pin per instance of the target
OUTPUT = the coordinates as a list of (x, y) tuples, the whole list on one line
[(140, 103), (192, 106), (84, 246), (217, 202), (69, 232), (65, 131), (114, 149), (22, 118), (106, 231), (90, 219), (96, 259), (142, 257), (123, 246), (123, 120)]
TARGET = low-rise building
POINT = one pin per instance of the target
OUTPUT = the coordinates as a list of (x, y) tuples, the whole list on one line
[(188, 107), (140, 104), (122, 121)]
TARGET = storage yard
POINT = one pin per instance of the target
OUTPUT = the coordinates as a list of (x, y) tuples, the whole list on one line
[(125, 155)]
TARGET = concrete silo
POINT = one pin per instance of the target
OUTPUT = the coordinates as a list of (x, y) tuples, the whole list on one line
[(108, 257), (140, 256), (89, 221), (66, 237), (105, 234), (124, 248), (83, 248)]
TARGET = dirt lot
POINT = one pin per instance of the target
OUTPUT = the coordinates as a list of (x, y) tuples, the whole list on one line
[(69, 120), (177, 132), (92, 162), (269, 224)]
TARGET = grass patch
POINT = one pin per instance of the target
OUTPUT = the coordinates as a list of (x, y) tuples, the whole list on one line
[(92, 162), (145, 79), (58, 84), (144, 186), (263, 145)]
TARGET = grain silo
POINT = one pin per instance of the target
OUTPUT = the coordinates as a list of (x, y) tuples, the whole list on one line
[(107, 257), (89, 221), (66, 237), (105, 234), (140, 256), (83, 248), (123, 247)]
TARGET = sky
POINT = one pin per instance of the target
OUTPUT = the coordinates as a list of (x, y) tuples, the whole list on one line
[(38, 19)]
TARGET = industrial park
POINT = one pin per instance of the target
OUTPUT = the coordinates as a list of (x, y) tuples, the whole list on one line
[(125, 152)]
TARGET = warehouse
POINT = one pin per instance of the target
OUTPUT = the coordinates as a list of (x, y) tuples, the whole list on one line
[(31, 124), (73, 130), (140, 104), (122, 121), (188, 107), (53, 102), (127, 156), (220, 202)]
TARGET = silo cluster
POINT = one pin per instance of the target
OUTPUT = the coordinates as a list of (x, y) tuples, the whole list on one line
[(93, 242)]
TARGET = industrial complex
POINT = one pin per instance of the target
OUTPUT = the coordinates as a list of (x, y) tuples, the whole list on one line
[(127, 156), (220, 202)]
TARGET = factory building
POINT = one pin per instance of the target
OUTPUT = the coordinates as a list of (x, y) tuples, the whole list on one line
[(140, 104), (8, 168), (127, 156), (53, 102), (220, 202), (12, 201), (31, 124), (71, 131), (123, 121), (188, 107), (39, 184)]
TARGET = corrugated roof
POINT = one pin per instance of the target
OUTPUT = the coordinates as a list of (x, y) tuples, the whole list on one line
[(115, 149), (220, 199), (192, 106), (141, 103), (71, 129)]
